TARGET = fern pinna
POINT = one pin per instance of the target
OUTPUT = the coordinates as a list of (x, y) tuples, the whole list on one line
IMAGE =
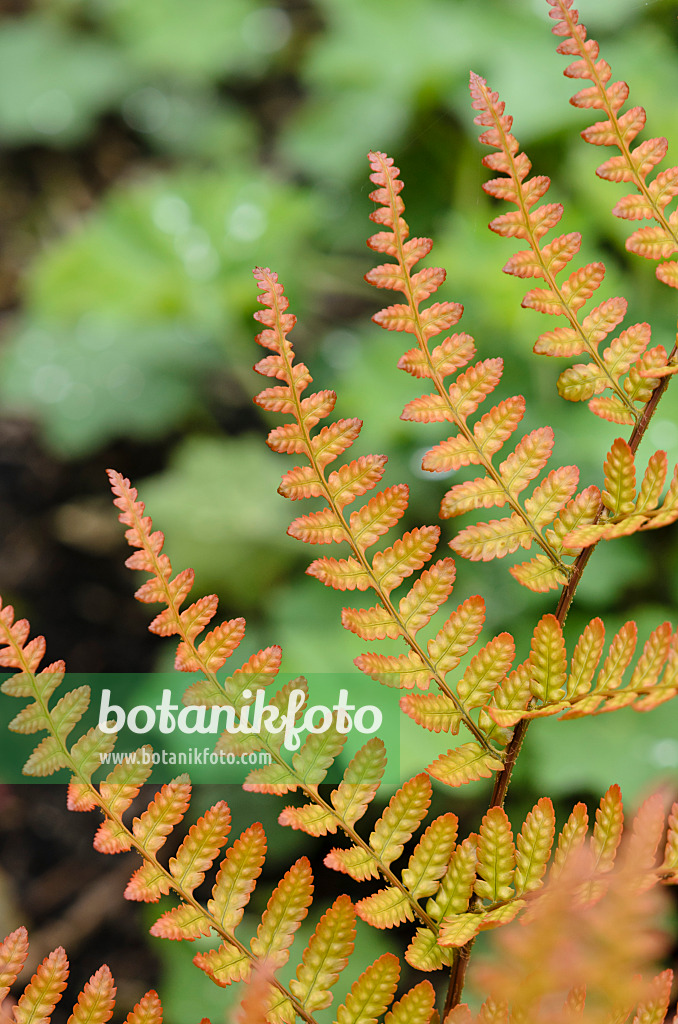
[(553, 503), (384, 571), (651, 198), (94, 1005), (587, 972)]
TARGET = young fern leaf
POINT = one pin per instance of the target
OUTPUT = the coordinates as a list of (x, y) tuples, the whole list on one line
[(384, 571), (95, 1003), (591, 957), (506, 873), (326, 956), (474, 444), (372, 993), (628, 512), (241, 866), (626, 365), (398, 823), (553, 689), (212, 651), (651, 198)]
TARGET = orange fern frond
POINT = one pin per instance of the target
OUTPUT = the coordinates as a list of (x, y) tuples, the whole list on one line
[(633, 165), (148, 833), (554, 690), (95, 1003), (383, 571), (474, 444), (194, 654), (628, 512), (593, 957), (508, 874), (626, 365)]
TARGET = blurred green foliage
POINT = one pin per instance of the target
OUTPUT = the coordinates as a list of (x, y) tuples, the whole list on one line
[(193, 141)]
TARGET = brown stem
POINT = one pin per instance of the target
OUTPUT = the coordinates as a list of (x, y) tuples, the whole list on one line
[(457, 977)]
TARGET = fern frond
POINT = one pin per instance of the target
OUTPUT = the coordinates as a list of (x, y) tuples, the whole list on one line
[(613, 368), (653, 680), (592, 957), (474, 444), (147, 834), (386, 569), (628, 511), (503, 871), (94, 1004), (193, 654), (633, 165), (307, 770)]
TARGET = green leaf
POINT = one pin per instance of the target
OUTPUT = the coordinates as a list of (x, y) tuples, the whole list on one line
[(317, 754), (496, 857), (585, 659), (466, 763), (487, 669), (325, 956), (456, 888), (285, 911), (372, 993), (431, 856), (403, 815), (607, 830), (166, 810), (547, 660), (415, 1007), (459, 633), (619, 495), (54, 81), (237, 876), (360, 782), (385, 908), (533, 846)]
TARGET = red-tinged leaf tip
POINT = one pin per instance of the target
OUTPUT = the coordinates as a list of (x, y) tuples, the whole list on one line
[(96, 1001), (44, 990), (13, 953), (147, 1011)]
